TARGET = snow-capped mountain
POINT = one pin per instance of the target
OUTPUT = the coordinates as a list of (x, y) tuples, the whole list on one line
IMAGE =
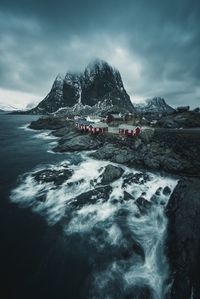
[(100, 86), (4, 107), (155, 105)]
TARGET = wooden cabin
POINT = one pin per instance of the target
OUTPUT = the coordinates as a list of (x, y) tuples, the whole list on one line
[(113, 117), (83, 125), (129, 130), (98, 128)]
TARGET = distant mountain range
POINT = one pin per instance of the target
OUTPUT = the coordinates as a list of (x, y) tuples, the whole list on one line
[(155, 105), (4, 107), (97, 90)]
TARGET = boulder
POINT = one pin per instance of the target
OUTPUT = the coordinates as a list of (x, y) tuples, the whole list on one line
[(127, 196), (92, 196), (135, 178), (110, 174), (167, 190), (58, 177), (105, 152), (143, 204)]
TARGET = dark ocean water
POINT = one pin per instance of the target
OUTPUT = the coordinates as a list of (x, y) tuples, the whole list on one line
[(36, 260), (99, 249)]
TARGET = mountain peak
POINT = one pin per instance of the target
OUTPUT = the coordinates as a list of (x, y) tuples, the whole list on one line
[(154, 105), (99, 85)]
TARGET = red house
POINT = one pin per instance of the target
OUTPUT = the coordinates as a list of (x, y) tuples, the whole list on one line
[(129, 130), (83, 125), (98, 128)]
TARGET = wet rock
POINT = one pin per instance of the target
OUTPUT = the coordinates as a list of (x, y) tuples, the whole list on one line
[(143, 204), (154, 199), (75, 183), (127, 196), (78, 143), (183, 239), (166, 190), (48, 123), (110, 174), (41, 198), (137, 178), (122, 156), (158, 191), (128, 250), (63, 131), (139, 292), (92, 196), (58, 177)]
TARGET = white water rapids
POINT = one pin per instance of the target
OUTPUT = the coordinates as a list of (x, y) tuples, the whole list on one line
[(132, 240)]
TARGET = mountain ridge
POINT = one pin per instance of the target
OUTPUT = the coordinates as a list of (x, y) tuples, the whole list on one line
[(154, 105)]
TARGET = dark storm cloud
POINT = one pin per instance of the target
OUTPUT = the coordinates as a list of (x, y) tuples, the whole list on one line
[(155, 44)]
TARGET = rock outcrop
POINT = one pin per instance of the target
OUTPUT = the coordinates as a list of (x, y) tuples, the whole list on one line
[(58, 177), (185, 119), (48, 123), (75, 142), (183, 242), (174, 151), (110, 174), (169, 151)]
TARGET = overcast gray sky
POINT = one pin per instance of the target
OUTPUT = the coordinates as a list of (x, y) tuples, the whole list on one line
[(154, 44)]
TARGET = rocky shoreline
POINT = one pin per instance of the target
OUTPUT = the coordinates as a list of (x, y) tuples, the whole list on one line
[(159, 150), (174, 152)]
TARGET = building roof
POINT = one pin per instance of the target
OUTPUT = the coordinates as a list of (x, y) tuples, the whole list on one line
[(99, 125), (116, 115), (127, 127), (84, 122)]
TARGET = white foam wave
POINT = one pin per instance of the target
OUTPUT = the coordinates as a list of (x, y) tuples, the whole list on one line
[(26, 128), (120, 221)]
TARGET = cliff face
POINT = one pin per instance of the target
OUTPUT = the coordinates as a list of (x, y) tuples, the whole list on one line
[(183, 242), (99, 86)]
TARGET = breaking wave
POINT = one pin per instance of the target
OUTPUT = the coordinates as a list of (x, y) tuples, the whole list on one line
[(123, 222)]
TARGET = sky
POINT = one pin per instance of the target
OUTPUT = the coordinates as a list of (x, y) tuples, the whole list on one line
[(154, 44)]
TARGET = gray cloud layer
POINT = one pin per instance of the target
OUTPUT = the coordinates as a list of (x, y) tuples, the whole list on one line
[(155, 44)]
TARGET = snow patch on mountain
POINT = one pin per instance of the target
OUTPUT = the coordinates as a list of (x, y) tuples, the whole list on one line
[(155, 105)]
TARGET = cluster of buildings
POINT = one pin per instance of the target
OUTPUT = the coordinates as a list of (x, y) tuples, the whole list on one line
[(97, 125), (92, 127)]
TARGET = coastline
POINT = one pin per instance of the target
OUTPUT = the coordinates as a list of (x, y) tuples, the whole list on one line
[(172, 151), (183, 207)]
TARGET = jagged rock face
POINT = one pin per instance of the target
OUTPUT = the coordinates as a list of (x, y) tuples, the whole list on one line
[(102, 83), (100, 86), (54, 100), (183, 242), (155, 105), (71, 90)]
